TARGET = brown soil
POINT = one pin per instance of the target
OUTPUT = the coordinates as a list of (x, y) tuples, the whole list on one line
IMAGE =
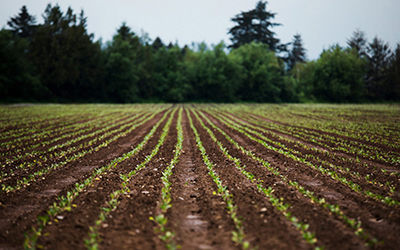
[(198, 217), (74, 226), (20, 209), (49, 159), (339, 159), (129, 227), (321, 132), (260, 218), (196, 213), (381, 221), (317, 217), (56, 131)]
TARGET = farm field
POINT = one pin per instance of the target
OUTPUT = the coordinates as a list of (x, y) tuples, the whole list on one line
[(200, 176)]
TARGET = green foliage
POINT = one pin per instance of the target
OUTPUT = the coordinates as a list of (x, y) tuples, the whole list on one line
[(255, 26), (337, 76), (394, 76), (214, 76), (66, 57), (261, 74), (18, 80), (358, 42), (297, 54), (379, 56), (121, 74), (59, 61), (22, 24)]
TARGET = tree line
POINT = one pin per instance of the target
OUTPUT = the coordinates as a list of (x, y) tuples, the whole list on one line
[(58, 60)]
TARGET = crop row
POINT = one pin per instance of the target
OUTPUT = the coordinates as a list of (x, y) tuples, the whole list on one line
[(57, 129), (332, 142), (337, 143), (357, 128), (97, 128), (38, 133), (332, 208), (238, 235), (40, 148), (277, 202), (313, 153), (92, 242), (41, 118), (161, 220), (47, 117), (323, 170), (89, 148), (64, 203), (39, 159)]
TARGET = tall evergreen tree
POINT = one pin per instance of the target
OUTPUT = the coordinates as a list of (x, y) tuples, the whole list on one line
[(23, 23), (65, 55), (122, 66), (255, 26), (358, 42), (18, 81), (157, 44), (394, 75), (298, 53), (379, 56)]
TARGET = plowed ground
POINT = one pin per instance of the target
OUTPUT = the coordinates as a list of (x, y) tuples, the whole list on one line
[(198, 216)]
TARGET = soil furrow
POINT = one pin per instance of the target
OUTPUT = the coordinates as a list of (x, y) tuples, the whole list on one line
[(61, 154), (320, 220), (197, 216), (74, 226), (381, 221), (129, 226), (23, 154), (20, 209), (261, 219), (377, 179), (64, 130), (322, 132)]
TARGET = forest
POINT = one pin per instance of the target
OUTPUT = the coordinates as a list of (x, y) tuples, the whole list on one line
[(58, 60)]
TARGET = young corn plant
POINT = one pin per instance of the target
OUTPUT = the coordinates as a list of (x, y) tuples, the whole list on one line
[(238, 236), (32, 177), (64, 203), (333, 208), (160, 219), (93, 240), (275, 201), (332, 174)]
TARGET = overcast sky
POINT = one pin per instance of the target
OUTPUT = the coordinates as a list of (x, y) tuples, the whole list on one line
[(320, 22)]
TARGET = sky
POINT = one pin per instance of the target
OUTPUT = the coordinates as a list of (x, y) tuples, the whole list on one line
[(321, 23)]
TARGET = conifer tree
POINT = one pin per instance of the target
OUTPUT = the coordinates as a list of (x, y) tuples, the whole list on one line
[(255, 26), (358, 42), (23, 23), (298, 53)]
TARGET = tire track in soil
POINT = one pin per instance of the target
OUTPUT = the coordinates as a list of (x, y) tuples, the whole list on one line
[(129, 226), (19, 210), (264, 226), (381, 221), (197, 216), (74, 227), (320, 220)]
